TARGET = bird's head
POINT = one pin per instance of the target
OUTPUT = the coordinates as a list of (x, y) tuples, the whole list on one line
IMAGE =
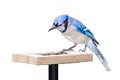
[(60, 23)]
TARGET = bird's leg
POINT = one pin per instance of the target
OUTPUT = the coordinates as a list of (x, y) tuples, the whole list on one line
[(70, 49), (83, 50)]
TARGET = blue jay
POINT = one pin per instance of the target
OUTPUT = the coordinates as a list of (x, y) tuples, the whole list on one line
[(76, 32)]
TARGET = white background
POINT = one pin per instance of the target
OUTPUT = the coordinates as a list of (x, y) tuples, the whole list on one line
[(24, 28)]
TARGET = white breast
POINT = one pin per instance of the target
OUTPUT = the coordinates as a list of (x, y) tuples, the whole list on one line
[(75, 36)]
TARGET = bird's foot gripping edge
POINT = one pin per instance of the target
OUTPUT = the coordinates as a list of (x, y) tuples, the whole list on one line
[(64, 51), (81, 50), (69, 49)]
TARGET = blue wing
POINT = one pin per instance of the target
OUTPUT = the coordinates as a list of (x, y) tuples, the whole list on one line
[(83, 29)]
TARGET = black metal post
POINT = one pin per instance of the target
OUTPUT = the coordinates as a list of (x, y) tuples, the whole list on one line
[(53, 72)]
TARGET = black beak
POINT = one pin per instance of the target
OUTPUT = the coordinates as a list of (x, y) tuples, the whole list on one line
[(51, 28)]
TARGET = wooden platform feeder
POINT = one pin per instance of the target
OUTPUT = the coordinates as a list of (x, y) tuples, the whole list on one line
[(52, 59)]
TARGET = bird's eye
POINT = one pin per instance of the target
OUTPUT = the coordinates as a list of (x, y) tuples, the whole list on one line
[(56, 24), (53, 23)]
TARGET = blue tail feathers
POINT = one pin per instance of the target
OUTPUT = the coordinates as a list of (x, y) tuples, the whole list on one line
[(97, 52)]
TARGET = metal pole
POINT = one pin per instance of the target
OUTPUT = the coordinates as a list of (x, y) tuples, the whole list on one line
[(53, 72)]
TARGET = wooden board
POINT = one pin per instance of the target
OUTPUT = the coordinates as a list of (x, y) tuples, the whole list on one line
[(46, 58)]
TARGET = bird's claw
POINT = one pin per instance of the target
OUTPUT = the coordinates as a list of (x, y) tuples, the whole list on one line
[(69, 49), (63, 51), (81, 50)]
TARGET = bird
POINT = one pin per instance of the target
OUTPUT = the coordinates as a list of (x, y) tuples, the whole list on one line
[(76, 32)]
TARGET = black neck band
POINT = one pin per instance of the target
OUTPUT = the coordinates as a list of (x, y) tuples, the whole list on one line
[(65, 25)]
